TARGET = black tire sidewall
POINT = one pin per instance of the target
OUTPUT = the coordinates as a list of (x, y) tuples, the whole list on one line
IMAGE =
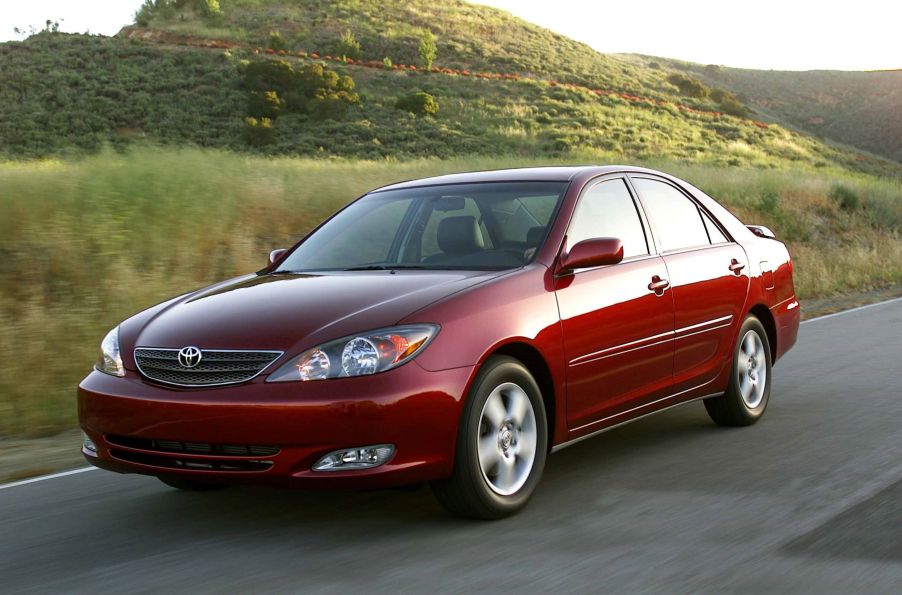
[(738, 404)]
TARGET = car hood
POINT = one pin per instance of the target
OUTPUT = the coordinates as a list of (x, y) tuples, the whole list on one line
[(292, 312)]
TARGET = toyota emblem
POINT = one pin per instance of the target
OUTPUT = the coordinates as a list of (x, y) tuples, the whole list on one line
[(189, 357)]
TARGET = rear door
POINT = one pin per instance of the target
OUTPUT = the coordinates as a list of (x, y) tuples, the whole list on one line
[(708, 278), (617, 330)]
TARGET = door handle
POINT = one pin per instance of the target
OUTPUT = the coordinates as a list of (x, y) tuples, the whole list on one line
[(736, 266), (658, 285)]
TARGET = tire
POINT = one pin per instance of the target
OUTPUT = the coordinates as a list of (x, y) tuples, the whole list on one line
[(189, 485), (748, 392), (500, 452)]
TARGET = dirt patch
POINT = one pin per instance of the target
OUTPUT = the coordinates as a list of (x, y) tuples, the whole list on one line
[(21, 458)]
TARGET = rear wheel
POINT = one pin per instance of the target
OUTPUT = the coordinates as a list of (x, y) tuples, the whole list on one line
[(748, 392), (501, 445), (190, 485)]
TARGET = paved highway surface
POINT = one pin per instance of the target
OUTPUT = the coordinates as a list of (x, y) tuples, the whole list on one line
[(808, 500)]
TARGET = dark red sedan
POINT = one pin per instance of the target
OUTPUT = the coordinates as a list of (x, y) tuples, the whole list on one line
[(454, 330)]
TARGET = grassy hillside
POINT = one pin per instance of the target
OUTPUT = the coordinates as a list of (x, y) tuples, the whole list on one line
[(75, 93), (862, 109), (86, 243)]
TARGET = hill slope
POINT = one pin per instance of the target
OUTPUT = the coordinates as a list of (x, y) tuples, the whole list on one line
[(163, 82), (862, 109)]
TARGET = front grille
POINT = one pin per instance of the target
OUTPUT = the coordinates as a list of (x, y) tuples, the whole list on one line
[(216, 367), (199, 448), (188, 463)]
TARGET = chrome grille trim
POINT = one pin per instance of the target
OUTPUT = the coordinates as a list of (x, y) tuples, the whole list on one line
[(219, 367)]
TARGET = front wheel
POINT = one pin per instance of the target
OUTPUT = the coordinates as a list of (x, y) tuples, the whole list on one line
[(501, 444), (747, 395)]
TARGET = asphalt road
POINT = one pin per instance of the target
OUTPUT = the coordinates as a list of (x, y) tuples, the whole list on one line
[(808, 500)]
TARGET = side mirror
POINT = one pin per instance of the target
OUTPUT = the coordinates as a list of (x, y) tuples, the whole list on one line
[(593, 253), (276, 255), (762, 232)]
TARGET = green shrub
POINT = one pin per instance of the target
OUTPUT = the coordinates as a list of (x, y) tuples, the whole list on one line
[(264, 75), (259, 132), (770, 202), (264, 104), (276, 41), (312, 88), (688, 86), (421, 104), (349, 47), (728, 103), (386, 63), (427, 50), (845, 197)]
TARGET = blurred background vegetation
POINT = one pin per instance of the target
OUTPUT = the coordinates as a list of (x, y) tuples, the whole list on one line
[(183, 150)]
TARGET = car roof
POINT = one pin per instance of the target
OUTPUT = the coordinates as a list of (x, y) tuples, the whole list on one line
[(524, 174)]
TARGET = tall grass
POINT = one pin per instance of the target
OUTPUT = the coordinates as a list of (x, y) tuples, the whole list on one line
[(86, 243)]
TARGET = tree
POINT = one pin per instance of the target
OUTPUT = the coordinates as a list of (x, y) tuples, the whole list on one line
[(427, 50), (275, 86)]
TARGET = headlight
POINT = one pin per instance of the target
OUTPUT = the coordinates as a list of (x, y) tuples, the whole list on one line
[(358, 355), (110, 361)]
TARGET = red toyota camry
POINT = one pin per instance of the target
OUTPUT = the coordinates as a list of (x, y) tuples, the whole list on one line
[(454, 330)]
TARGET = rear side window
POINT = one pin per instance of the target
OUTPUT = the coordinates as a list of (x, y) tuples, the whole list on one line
[(677, 221), (606, 210), (714, 232)]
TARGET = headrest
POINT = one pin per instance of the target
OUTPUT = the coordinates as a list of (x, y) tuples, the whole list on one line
[(459, 235), (534, 235)]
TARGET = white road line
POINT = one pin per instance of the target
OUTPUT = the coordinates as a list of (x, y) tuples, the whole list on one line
[(16, 484), (850, 310)]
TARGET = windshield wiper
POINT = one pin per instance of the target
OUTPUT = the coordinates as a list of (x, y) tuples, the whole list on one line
[(382, 267)]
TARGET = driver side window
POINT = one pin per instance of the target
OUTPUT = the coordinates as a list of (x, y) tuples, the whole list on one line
[(607, 210)]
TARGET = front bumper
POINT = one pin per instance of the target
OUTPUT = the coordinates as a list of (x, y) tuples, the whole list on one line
[(416, 410)]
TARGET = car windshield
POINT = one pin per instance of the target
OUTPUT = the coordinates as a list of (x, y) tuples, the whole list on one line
[(489, 226)]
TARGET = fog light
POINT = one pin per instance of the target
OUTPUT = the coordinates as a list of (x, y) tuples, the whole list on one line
[(87, 445), (361, 457)]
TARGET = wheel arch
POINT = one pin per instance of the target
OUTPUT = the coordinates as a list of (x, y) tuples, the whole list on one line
[(763, 313), (530, 357)]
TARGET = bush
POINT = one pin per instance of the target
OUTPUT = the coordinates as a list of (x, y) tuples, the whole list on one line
[(276, 42), (427, 50), (349, 47), (312, 88), (259, 132), (264, 104), (167, 9), (265, 75), (421, 104), (386, 63), (688, 86), (845, 197), (728, 103)]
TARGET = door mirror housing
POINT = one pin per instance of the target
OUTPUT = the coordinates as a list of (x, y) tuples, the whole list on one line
[(762, 232), (276, 255), (592, 253)]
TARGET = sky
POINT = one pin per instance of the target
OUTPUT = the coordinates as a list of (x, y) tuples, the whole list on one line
[(765, 34)]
